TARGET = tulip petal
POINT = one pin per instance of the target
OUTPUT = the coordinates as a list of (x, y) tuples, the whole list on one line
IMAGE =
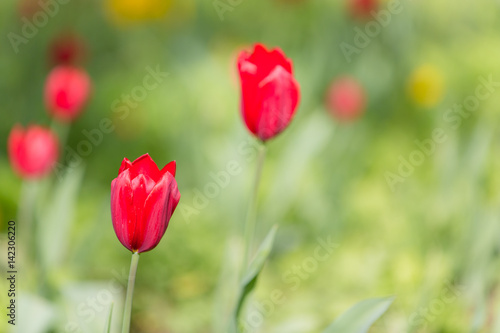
[(159, 207), (125, 165), (249, 86), (145, 165), (122, 209), (142, 185), (170, 167), (266, 60), (278, 96)]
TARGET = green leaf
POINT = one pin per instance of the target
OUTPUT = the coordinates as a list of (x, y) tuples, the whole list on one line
[(252, 273), (361, 316), (107, 328), (56, 219)]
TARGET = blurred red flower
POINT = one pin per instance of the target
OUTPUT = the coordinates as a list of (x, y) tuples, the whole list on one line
[(363, 8), (67, 90), (269, 92), (143, 198), (32, 151), (345, 99), (67, 49)]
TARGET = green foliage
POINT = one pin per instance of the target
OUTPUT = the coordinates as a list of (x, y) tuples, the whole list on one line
[(438, 227), (361, 316), (249, 280), (56, 220), (107, 328)]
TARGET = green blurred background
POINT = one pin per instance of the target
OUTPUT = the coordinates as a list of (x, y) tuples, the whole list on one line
[(432, 240)]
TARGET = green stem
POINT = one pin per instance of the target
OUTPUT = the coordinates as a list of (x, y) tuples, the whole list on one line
[(130, 293), (62, 131), (25, 215), (252, 208)]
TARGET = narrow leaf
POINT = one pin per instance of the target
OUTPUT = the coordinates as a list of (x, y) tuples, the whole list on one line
[(107, 328), (361, 316), (252, 273)]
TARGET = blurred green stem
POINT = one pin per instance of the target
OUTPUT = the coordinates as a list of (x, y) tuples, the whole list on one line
[(25, 215), (252, 208), (130, 293), (62, 131)]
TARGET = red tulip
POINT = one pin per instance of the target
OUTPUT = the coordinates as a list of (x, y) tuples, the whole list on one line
[(32, 151), (363, 8), (269, 92), (66, 92), (345, 99), (143, 198)]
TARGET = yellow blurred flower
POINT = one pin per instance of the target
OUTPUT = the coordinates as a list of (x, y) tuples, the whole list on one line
[(426, 86), (134, 11)]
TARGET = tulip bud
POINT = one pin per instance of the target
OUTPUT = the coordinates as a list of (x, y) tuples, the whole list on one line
[(67, 48), (143, 198), (269, 92), (66, 91), (345, 99), (32, 151)]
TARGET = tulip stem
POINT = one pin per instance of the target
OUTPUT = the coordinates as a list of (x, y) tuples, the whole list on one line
[(252, 208), (130, 293), (25, 215), (62, 131)]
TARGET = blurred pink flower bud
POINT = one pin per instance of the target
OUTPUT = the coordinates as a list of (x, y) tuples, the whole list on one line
[(67, 90), (346, 99), (32, 151)]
